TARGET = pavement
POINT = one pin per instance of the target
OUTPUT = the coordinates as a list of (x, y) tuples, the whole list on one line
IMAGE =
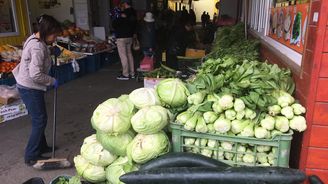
[(77, 100)]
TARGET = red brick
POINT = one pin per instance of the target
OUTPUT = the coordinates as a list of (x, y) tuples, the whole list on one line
[(320, 113), (317, 158), (319, 136), (324, 65)]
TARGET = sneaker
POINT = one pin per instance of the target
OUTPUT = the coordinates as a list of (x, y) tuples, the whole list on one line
[(133, 76), (122, 77)]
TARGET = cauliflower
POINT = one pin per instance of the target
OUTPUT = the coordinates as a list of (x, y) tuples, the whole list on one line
[(217, 108), (250, 114), (196, 98), (230, 114), (226, 102), (237, 126), (282, 124), (287, 112), (298, 123), (222, 125), (274, 110), (248, 130), (239, 105), (240, 115), (261, 132), (268, 122), (298, 109), (210, 117)]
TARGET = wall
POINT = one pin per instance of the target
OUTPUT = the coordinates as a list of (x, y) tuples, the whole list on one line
[(310, 150), (61, 12), (229, 7), (22, 23), (204, 5)]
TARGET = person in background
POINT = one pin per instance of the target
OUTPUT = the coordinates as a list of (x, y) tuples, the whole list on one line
[(203, 19), (184, 14), (32, 82), (148, 35), (208, 18), (192, 15), (182, 37), (125, 29), (215, 18)]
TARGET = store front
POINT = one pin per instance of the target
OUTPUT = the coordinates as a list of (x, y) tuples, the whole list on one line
[(295, 36)]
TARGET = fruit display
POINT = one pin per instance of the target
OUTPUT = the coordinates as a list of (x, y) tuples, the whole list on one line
[(7, 67), (67, 56), (10, 53)]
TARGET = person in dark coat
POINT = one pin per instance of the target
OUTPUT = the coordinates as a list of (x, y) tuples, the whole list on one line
[(182, 37), (125, 28), (148, 35), (203, 19), (192, 15)]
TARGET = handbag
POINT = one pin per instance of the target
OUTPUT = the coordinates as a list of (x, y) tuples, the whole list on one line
[(135, 44), (147, 63)]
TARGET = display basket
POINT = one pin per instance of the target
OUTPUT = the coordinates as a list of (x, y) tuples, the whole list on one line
[(281, 143)]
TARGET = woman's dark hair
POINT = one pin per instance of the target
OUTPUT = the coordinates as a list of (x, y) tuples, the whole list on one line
[(47, 25)]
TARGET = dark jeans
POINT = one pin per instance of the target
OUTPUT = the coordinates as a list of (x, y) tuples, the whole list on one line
[(35, 104)]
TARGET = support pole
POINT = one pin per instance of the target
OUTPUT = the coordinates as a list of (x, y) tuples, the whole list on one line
[(245, 17)]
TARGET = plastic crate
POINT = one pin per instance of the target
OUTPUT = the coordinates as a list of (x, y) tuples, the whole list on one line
[(281, 142), (55, 180)]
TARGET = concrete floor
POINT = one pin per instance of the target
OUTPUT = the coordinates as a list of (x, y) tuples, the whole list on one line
[(76, 103)]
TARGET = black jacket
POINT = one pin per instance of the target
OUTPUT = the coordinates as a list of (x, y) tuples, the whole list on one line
[(125, 27)]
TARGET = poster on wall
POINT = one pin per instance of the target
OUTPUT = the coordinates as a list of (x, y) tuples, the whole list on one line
[(7, 23), (288, 25)]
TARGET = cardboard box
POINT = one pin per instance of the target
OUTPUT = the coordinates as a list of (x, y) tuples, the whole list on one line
[(9, 117), (13, 108), (151, 82), (194, 53)]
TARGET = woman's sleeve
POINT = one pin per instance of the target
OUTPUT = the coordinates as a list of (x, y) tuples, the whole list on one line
[(36, 68)]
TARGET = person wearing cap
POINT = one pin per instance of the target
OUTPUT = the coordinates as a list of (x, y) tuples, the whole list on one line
[(125, 29), (148, 34)]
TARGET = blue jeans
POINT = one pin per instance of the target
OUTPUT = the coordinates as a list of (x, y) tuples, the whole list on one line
[(35, 104)]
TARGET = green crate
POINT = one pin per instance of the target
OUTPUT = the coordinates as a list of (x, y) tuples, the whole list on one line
[(281, 142)]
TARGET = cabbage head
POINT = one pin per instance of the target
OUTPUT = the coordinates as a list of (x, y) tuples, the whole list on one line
[(95, 153), (146, 147), (144, 97), (118, 168), (113, 116), (150, 120), (91, 173), (172, 92), (115, 144)]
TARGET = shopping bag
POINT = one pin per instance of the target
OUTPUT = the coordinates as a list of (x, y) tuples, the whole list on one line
[(135, 44), (147, 63)]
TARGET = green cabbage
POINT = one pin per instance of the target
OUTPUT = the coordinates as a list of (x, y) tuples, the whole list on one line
[(172, 92), (113, 116), (118, 168), (144, 97), (150, 120), (89, 172), (95, 153), (146, 147), (116, 144)]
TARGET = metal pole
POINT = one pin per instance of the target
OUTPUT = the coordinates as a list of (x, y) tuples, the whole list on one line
[(245, 17), (54, 126)]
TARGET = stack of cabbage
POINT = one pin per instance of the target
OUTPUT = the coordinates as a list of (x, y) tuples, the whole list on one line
[(103, 155), (148, 122)]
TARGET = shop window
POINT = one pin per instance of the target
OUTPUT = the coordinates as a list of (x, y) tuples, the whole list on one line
[(8, 19), (282, 24)]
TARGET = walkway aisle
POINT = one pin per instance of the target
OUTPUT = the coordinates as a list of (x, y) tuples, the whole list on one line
[(76, 102)]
